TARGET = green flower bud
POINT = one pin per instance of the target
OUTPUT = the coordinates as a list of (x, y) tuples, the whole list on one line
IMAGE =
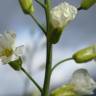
[(66, 90), (85, 55), (86, 4), (26, 6), (16, 64)]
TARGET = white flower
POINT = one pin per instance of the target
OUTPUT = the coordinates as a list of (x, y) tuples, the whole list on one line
[(62, 14), (7, 50), (83, 82)]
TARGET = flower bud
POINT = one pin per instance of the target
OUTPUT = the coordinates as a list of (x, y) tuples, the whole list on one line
[(85, 55), (86, 4), (27, 6), (61, 15), (65, 90), (16, 64)]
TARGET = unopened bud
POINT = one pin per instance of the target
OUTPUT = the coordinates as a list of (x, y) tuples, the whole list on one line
[(27, 6), (85, 55), (86, 4), (65, 90)]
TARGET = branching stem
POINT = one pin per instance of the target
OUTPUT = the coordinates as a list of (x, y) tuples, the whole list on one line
[(59, 63), (40, 3), (40, 26)]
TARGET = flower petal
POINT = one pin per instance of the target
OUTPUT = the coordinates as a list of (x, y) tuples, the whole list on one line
[(83, 82), (2, 42), (7, 39), (19, 50), (62, 14), (5, 59), (10, 38)]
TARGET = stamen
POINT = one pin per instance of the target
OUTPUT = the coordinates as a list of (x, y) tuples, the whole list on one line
[(7, 52)]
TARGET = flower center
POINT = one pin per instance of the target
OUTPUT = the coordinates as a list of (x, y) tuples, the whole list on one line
[(7, 52)]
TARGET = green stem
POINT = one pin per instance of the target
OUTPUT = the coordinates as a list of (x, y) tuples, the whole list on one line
[(28, 75), (56, 65), (41, 27), (39, 2), (45, 91)]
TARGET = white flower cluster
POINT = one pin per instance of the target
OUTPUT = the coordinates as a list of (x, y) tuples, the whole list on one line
[(84, 84), (62, 14), (7, 50)]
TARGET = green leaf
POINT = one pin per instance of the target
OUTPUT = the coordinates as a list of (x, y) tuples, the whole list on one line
[(16, 64), (86, 4), (66, 90)]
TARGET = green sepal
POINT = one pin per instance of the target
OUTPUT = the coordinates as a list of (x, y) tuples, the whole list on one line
[(55, 36), (16, 64), (86, 4), (66, 90), (85, 55)]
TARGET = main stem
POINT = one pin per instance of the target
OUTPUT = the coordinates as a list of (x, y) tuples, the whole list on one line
[(45, 91)]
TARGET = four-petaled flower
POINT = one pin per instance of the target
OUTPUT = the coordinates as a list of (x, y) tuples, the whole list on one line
[(7, 50)]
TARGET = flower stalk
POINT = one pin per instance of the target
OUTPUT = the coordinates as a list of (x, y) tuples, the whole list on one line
[(40, 3), (28, 75), (37, 22), (57, 64)]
